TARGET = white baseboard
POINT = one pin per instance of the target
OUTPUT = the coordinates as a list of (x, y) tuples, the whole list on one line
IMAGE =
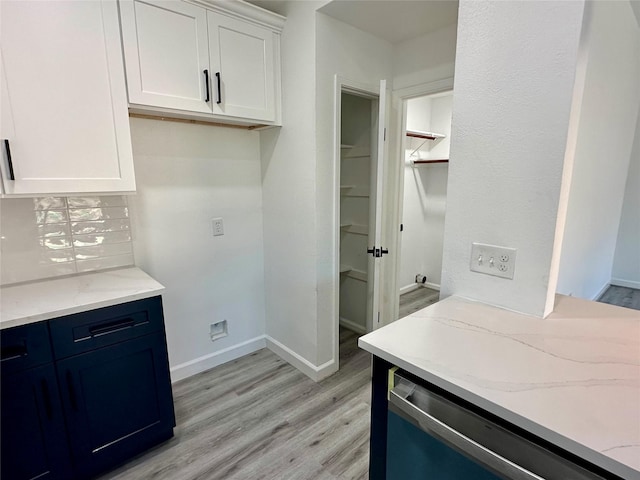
[(353, 326), (211, 360), (601, 291), (315, 373), (415, 286), (619, 282)]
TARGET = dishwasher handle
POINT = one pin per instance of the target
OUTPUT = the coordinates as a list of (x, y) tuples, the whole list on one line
[(452, 437)]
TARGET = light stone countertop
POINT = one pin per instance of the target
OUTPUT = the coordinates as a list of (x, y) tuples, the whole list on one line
[(572, 378), (36, 301)]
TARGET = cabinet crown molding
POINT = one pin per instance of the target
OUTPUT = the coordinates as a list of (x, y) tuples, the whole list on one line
[(244, 11)]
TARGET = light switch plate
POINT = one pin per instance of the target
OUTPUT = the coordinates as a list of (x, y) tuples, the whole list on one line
[(493, 260)]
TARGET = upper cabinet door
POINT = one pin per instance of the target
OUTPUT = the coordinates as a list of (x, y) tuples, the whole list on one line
[(64, 105), (166, 54), (242, 64)]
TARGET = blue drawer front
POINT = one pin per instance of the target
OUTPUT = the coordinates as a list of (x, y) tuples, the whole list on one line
[(414, 455)]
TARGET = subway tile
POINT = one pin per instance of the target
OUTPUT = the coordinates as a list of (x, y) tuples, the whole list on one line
[(48, 256), (55, 243), (101, 238), (100, 226), (51, 216), (102, 263), (88, 214), (97, 202), (48, 203), (54, 230), (87, 253)]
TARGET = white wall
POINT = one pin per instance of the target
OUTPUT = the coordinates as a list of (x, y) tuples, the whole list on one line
[(626, 262), (513, 90), (186, 175), (288, 194), (425, 59), (358, 56), (609, 110), (425, 190)]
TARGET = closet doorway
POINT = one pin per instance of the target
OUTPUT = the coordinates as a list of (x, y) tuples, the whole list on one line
[(425, 156), (360, 135)]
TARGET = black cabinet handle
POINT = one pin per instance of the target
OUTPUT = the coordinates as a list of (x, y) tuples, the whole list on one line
[(11, 352), (206, 82), (111, 327), (72, 392), (219, 79), (46, 398), (9, 161)]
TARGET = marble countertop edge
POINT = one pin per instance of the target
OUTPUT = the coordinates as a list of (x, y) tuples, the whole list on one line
[(387, 343), (46, 299)]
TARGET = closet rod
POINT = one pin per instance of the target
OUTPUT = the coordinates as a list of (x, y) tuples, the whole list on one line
[(422, 162), (426, 135)]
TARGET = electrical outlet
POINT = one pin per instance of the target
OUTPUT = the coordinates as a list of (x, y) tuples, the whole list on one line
[(493, 260), (218, 227), (218, 330)]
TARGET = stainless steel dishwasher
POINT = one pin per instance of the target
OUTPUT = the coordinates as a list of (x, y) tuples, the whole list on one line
[(433, 437)]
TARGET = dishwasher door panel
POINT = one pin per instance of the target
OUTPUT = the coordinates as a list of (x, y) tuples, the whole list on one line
[(413, 454)]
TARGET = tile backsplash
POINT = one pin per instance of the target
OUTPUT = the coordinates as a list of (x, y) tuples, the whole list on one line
[(53, 236)]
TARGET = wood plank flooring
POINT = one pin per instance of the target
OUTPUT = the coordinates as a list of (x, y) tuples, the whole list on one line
[(259, 418), (415, 300), (621, 296)]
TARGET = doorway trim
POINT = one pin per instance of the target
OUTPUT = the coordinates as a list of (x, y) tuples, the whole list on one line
[(395, 186), (341, 84)]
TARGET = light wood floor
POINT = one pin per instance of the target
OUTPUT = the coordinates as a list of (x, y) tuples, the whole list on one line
[(621, 296), (417, 300), (260, 418)]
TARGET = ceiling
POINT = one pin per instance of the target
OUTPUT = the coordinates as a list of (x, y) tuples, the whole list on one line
[(392, 20)]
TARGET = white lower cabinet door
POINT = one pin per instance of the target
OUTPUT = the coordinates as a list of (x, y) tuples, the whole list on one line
[(242, 65), (64, 125), (166, 54)]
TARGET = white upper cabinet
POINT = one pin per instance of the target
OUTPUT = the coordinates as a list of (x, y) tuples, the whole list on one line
[(217, 60), (166, 54), (64, 117), (242, 61)]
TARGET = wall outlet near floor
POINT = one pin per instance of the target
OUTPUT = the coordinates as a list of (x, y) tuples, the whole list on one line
[(493, 260), (218, 330), (218, 227)]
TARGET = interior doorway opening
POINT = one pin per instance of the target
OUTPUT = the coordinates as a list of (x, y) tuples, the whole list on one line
[(425, 157), (357, 180)]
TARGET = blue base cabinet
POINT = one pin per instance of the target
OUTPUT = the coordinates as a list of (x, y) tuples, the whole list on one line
[(34, 442), (84, 393)]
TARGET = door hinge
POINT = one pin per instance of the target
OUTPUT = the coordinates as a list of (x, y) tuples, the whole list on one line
[(378, 318), (402, 227), (385, 135)]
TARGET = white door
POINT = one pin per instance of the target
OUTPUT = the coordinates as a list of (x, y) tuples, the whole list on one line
[(166, 54), (64, 106), (242, 64), (379, 251)]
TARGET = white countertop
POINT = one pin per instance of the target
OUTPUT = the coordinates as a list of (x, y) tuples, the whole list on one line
[(35, 301), (572, 378)]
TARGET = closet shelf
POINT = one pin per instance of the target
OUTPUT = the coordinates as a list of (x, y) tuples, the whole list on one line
[(426, 135), (355, 228), (354, 273), (426, 162), (346, 146), (345, 268)]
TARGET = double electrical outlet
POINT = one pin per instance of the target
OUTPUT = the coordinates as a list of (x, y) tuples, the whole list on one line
[(493, 260)]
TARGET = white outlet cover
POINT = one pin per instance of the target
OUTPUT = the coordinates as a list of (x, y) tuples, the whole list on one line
[(493, 260), (218, 227)]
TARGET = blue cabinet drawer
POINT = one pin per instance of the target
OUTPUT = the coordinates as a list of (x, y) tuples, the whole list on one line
[(87, 331), (24, 347)]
